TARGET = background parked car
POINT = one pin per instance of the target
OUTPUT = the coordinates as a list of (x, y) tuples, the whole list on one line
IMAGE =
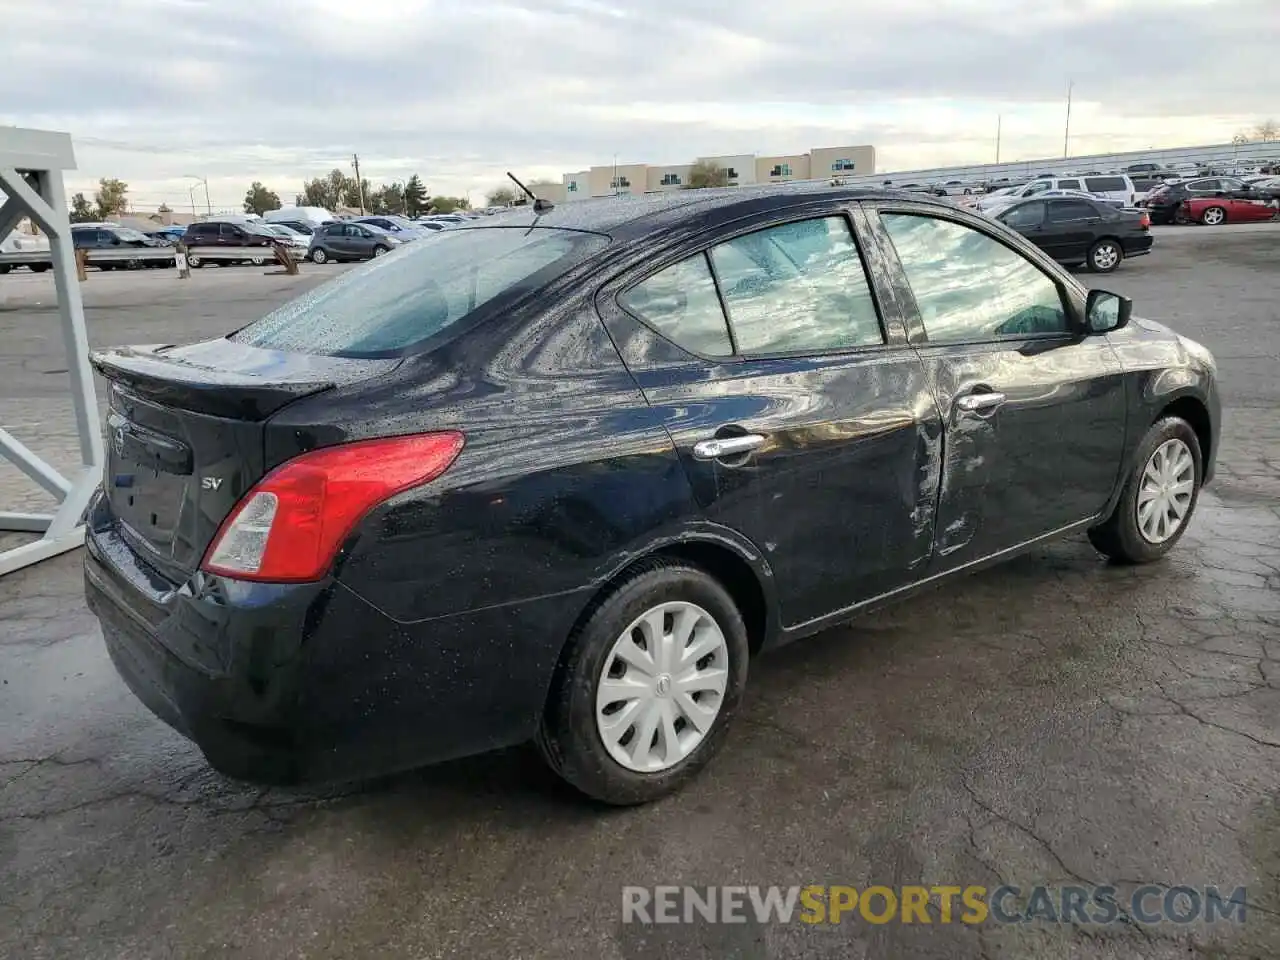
[(227, 234), (1080, 230), (1165, 202), (1212, 211), (151, 252), (299, 243), (351, 241), (403, 228)]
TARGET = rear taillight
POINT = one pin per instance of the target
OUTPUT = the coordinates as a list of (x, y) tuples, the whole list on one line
[(289, 527), (1145, 220)]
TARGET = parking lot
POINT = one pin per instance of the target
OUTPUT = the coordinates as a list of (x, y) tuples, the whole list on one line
[(1053, 721)]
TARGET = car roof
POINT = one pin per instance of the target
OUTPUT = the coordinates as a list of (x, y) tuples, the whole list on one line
[(636, 216)]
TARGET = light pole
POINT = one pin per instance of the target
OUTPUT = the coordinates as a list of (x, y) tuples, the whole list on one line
[(191, 193), (1066, 133), (208, 207)]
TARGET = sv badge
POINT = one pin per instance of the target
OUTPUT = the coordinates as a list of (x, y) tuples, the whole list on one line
[(210, 483)]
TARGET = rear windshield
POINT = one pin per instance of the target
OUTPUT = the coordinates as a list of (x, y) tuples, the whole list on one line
[(1106, 184), (393, 303)]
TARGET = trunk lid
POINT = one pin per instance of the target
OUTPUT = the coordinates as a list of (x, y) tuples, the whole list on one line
[(186, 429)]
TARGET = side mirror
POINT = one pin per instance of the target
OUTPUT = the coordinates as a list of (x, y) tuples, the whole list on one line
[(1105, 311)]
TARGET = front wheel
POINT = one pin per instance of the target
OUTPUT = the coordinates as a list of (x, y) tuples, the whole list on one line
[(648, 685), (1159, 496), (381, 251), (1105, 256), (319, 256), (1213, 216)]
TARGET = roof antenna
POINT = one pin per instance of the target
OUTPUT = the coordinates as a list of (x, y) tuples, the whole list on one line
[(539, 206)]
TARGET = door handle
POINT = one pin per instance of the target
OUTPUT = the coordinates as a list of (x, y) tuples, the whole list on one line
[(975, 402), (727, 446)]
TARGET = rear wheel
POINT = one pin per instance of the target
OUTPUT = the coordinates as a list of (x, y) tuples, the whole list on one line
[(258, 261), (38, 267), (194, 261), (1105, 256), (319, 256), (1213, 216), (1159, 496), (5, 268), (648, 685)]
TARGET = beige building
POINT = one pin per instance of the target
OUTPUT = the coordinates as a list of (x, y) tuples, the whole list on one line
[(609, 180), (782, 169)]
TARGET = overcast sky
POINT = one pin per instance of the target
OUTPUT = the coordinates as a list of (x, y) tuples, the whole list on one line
[(461, 90)]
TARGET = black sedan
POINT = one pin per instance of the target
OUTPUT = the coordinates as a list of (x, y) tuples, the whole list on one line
[(561, 476), (1077, 230)]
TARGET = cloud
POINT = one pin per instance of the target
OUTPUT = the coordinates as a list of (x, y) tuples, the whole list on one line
[(234, 90)]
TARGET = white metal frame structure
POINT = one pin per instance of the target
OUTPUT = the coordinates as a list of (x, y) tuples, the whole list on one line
[(31, 167)]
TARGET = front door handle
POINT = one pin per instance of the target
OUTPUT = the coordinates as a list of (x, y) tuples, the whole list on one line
[(977, 402), (727, 446)]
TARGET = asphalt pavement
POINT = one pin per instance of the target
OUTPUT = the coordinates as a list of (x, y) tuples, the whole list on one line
[(1053, 721)]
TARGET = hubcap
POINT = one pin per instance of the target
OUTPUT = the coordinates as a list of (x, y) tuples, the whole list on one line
[(1164, 497), (1105, 256), (662, 687), (1213, 216)]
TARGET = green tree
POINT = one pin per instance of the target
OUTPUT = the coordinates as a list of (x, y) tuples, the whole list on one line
[(327, 191), (707, 173), (112, 198), (388, 198), (82, 211), (501, 197), (447, 204), (415, 197), (352, 193), (258, 199)]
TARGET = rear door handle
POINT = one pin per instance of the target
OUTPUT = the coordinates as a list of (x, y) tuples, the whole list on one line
[(977, 402), (727, 446)]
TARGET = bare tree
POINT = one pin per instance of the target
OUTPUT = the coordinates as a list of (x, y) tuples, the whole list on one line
[(1267, 131)]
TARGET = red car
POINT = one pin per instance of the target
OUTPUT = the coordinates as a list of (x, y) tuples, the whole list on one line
[(1215, 210)]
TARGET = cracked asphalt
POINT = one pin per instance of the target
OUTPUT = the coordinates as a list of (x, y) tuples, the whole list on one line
[(1054, 720)]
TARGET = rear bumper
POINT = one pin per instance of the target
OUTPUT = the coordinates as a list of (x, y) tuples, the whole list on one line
[(1137, 246), (294, 683)]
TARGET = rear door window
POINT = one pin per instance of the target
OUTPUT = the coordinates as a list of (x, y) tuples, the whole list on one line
[(1068, 184), (1071, 211), (799, 287), (394, 303)]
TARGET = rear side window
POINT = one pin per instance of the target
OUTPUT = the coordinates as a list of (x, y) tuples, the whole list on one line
[(1106, 185), (1068, 184), (681, 303), (798, 287), (1029, 214), (1062, 211), (393, 303)]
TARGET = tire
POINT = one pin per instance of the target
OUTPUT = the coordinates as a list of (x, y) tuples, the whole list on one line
[(258, 261), (570, 736), (194, 262), (1121, 536), (1212, 216), (380, 251), (38, 267), (5, 268), (1105, 256), (319, 256)]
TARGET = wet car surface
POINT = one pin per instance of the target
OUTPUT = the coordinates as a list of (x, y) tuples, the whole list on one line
[(1055, 720)]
